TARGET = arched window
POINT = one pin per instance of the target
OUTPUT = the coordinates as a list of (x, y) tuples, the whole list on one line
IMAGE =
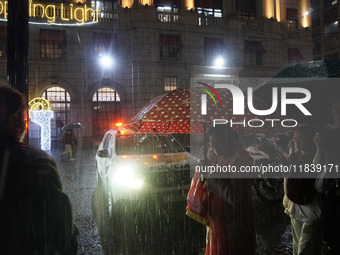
[(60, 101), (106, 110)]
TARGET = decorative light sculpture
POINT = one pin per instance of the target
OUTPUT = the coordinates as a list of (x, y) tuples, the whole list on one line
[(40, 112)]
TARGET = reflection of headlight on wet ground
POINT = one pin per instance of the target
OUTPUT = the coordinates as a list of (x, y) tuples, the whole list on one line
[(125, 175)]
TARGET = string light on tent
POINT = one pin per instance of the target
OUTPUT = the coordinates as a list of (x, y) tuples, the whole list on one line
[(40, 112)]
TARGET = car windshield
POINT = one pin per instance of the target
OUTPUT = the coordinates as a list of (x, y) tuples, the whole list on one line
[(145, 144)]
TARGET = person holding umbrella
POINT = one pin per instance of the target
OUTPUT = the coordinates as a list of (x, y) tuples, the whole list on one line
[(69, 141)]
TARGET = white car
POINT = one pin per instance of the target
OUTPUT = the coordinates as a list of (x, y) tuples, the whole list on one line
[(143, 178)]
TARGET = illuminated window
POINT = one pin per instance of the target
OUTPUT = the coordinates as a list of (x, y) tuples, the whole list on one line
[(52, 44), (170, 83), (60, 102), (106, 110), (209, 7), (329, 3), (104, 43), (106, 8), (97, 5), (106, 95), (253, 53), (170, 47), (103, 6), (214, 48), (3, 42), (167, 10)]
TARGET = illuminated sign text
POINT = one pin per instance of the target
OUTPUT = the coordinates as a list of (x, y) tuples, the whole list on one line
[(54, 12)]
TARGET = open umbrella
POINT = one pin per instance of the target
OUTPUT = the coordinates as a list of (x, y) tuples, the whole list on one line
[(178, 112), (319, 78), (71, 125), (312, 69)]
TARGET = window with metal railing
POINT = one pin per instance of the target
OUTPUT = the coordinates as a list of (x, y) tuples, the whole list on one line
[(106, 110), (52, 44), (60, 101), (170, 47), (170, 83), (253, 53)]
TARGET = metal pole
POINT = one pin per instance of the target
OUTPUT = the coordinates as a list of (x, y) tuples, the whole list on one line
[(17, 48), (17, 43)]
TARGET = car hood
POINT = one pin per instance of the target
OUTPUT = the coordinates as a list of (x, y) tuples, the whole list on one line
[(173, 161)]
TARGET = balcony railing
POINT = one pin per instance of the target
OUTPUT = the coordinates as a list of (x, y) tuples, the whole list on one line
[(254, 25), (108, 16), (168, 17), (210, 21)]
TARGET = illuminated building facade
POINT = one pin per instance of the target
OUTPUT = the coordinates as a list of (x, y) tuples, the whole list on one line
[(325, 18), (156, 46)]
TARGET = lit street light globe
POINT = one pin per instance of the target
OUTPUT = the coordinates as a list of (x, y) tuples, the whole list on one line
[(219, 62), (106, 61)]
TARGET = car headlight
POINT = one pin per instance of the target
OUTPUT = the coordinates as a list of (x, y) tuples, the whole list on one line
[(125, 175)]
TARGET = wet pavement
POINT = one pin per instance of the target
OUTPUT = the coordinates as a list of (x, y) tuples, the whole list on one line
[(79, 182)]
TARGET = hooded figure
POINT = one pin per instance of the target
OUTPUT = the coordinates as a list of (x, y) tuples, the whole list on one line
[(35, 215)]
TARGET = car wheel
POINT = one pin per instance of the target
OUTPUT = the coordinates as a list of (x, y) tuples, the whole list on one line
[(101, 206)]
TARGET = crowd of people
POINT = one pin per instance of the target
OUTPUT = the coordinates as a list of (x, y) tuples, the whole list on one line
[(313, 203), (36, 216)]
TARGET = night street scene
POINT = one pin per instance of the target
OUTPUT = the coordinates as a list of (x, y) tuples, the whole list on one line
[(170, 127)]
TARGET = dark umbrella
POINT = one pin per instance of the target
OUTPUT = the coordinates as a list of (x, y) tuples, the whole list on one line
[(71, 125), (312, 69), (315, 76)]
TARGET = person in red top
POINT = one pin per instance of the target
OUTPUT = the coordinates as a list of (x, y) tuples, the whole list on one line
[(230, 212)]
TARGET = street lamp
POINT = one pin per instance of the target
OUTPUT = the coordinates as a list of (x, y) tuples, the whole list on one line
[(105, 61), (219, 62)]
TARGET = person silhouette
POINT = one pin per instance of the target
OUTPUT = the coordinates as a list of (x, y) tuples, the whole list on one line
[(35, 215)]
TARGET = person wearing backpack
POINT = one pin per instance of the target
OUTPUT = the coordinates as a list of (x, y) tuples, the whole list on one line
[(302, 200), (35, 215)]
